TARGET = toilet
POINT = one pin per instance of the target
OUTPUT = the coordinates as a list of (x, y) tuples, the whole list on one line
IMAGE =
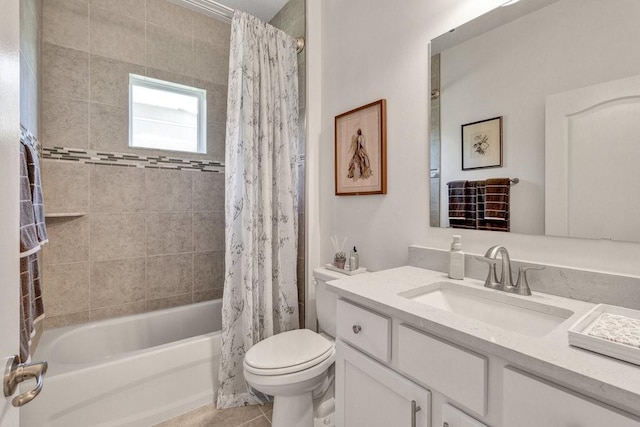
[(297, 367)]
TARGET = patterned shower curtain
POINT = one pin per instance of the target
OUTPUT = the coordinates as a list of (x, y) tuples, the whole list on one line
[(260, 293)]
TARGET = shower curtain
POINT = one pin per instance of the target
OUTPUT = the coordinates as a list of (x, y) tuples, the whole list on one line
[(260, 293)]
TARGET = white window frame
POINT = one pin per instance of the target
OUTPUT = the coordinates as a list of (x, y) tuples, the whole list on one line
[(166, 86)]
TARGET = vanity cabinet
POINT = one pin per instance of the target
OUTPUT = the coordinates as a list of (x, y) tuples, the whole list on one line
[(530, 402), (387, 369), (370, 394)]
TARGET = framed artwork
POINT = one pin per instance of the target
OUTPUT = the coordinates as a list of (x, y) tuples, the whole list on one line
[(361, 150), (482, 144)]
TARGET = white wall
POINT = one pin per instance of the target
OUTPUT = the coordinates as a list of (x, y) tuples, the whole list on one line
[(546, 52), (377, 49)]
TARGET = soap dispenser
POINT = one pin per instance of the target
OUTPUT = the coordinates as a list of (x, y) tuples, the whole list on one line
[(456, 259)]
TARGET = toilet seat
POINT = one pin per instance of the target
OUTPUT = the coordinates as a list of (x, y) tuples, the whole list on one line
[(288, 353)]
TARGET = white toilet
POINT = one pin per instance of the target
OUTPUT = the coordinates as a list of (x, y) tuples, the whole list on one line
[(296, 367)]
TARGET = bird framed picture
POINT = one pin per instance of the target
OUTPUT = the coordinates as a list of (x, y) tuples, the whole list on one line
[(361, 150), (482, 144)]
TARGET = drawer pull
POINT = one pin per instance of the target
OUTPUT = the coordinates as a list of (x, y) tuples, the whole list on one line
[(414, 410), (356, 329)]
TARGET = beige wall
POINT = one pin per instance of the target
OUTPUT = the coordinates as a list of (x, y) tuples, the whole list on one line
[(151, 238), (372, 50), (291, 19)]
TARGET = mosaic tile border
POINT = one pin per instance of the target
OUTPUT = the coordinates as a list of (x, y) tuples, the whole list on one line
[(129, 160)]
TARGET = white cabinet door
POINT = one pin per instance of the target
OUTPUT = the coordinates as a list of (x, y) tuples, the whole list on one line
[(529, 402), (452, 417), (370, 394)]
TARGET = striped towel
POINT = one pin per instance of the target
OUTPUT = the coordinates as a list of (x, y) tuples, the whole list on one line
[(462, 204), (33, 170), (29, 240), (33, 234), (495, 209)]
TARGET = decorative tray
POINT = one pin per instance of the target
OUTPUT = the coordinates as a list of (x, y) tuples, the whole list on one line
[(609, 330), (345, 271)]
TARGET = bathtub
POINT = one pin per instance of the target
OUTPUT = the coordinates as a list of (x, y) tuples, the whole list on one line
[(130, 371)]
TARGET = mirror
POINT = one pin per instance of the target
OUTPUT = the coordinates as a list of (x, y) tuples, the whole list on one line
[(517, 62)]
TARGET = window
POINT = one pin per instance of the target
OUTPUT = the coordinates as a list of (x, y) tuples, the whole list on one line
[(166, 116)]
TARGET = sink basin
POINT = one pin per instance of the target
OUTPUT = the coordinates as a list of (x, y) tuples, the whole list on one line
[(523, 315)]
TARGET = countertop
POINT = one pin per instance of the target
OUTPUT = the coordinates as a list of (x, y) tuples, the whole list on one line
[(609, 380)]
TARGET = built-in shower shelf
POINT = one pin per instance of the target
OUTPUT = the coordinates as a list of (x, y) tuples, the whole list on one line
[(65, 215)]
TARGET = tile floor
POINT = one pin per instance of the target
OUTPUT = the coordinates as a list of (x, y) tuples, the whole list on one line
[(245, 416)]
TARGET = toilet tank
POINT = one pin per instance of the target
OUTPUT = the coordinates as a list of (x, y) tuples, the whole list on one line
[(326, 302)]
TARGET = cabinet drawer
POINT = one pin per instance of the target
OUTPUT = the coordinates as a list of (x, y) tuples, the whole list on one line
[(365, 329), (453, 371)]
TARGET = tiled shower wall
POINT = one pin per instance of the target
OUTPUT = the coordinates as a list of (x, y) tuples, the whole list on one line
[(292, 20), (150, 238)]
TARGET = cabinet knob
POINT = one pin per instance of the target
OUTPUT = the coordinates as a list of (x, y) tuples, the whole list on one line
[(356, 329)]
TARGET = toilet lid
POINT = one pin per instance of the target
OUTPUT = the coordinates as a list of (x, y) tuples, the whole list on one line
[(288, 351)]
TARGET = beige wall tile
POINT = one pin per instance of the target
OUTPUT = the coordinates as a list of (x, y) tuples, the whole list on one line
[(169, 77), (117, 282), (290, 17), (170, 51), (216, 100), (51, 322), (68, 240), (109, 128), (170, 16), (169, 233), (301, 237), (208, 271), (207, 295), (110, 80), (131, 8), (65, 72), (208, 231), (301, 188), (168, 190), (118, 311), (67, 288), (211, 29), (208, 191), (211, 62), (175, 301), (66, 23), (65, 186), (116, 235), (216, 135), (169, 275), (65, 122), (117, 36), (116, 189)]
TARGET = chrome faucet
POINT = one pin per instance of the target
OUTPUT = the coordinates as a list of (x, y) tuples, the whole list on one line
[(505, 283)]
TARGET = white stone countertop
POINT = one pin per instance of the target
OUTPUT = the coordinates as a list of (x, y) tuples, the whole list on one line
[(609, 380)]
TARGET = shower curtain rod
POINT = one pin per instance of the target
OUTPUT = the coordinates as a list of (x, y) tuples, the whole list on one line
[(225, 12)]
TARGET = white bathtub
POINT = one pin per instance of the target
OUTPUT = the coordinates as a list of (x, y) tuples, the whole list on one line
[(130, 371)]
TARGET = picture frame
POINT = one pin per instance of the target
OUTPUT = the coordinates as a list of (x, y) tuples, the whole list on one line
[(482, 144), (361, 150)]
